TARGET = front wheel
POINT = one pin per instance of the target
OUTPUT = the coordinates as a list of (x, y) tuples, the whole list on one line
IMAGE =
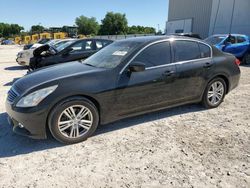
[(73, 120), (214, 93)]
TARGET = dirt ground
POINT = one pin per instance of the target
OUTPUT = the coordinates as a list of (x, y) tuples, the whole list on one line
[(182, 147)]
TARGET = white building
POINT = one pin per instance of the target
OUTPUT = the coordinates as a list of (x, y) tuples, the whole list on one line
[(207, 17)]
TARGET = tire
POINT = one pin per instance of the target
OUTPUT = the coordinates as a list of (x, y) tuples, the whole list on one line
[(211, 98), (66, 120), (246, 59)]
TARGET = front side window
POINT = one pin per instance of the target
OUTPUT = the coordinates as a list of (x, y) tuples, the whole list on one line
[(186, 50), (155, 55), (84, 45)]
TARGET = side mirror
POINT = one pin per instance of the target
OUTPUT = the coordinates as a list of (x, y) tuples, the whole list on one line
[(137, 67), (67, 51)]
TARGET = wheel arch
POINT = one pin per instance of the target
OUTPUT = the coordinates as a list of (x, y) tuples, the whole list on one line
[(225, 78), (68, 98)]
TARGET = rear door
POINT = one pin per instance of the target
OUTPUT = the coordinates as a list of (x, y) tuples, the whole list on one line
[(194, 64)]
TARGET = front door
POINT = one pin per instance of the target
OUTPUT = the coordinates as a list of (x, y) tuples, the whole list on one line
[(149, 89)]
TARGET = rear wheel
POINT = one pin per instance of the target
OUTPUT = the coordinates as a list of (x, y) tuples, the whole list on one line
[(246, 59), (214, 93), (73, 120)]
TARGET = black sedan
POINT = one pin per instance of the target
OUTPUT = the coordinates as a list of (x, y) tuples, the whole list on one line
[(78, 50), (127, 78)]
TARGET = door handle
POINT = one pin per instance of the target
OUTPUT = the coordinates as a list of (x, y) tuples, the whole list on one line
[(208, 65), (168, 73)]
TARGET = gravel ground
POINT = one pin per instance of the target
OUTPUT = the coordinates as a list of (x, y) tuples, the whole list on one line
[(182, 147)]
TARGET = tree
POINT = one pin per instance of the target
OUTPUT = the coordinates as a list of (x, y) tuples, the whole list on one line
[(8, 30), (37, 29), (87, 26), (113, 24), (141, 30)]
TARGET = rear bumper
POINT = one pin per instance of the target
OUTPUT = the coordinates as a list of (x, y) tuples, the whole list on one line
[(30, 124), (235, 80)]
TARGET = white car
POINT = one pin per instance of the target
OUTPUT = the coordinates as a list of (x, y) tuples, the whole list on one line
[(23, 57)]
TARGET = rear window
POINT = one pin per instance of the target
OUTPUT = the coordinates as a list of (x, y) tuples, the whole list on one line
[(186, 50)]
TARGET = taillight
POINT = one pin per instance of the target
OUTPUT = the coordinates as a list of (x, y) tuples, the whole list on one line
[(237, 62)]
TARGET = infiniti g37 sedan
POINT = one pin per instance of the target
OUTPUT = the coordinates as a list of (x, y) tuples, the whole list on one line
[(127, 78)]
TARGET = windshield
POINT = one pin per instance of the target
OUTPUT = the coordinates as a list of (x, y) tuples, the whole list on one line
[(215, 39), (112, 55), (62, 45)]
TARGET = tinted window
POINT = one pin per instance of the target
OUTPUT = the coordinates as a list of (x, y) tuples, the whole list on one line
[(205, 50), (186, 50), (155, 55), (99, 45), (231, 39), (83, 46), (241, 39)]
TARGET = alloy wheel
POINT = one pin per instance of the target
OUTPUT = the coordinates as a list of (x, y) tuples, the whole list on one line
[(215, 93), (75, 121)]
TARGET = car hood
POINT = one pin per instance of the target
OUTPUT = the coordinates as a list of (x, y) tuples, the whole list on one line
[(53, 73)]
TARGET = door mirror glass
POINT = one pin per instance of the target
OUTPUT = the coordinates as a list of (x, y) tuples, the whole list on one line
[(137, 67)]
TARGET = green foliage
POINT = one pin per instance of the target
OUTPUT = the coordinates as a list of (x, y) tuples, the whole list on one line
[(141, 30), (36, 29), (114, 24), (87, 26), (9, 30)]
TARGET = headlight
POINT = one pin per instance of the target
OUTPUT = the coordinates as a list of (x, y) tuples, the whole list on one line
[(19, 55), (36, 97)]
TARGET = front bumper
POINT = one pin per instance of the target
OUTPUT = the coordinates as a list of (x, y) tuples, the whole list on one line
[(27, 123), (21, 61)]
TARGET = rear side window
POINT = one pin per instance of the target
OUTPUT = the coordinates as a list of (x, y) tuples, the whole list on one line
[(155, 55), (241, 40), (205, 50), (186, 50)]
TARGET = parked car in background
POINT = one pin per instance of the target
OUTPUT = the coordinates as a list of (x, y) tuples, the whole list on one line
[(78, 50), (38, 44), (192, 35), (236, 44), (23, 57), (7, 42), (127, 78)]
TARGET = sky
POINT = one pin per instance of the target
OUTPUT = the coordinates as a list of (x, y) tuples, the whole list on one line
[(63, 12)]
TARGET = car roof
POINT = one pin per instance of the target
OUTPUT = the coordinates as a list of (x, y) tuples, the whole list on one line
[(149, 39), (225, 35)]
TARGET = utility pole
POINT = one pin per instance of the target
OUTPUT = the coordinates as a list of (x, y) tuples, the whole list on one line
[(232, 17)]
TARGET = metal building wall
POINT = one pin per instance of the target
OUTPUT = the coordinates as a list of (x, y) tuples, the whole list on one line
[(198, 10), (230, 16)]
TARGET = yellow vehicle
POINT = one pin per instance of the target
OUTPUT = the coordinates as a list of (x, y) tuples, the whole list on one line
[(45, 36), (81, 36), (60, 35), (18, 40), (27, 39), (35, 38)]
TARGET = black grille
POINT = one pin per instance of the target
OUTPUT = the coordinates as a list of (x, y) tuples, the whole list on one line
[(12, 95)]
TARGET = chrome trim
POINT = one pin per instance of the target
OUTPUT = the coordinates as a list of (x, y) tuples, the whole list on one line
[(178, 63), (169, 40)]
